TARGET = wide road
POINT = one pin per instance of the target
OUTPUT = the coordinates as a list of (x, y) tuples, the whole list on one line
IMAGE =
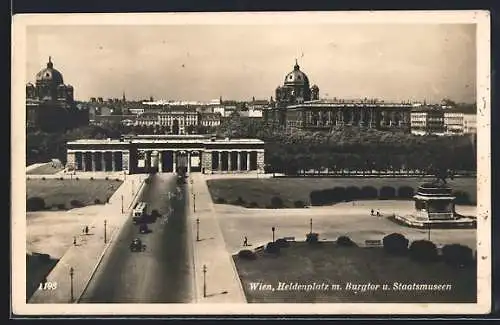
[(163, 273)]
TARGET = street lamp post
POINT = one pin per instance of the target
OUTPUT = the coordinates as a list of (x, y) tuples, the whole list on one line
[(273, 229), (71, 272), (204, 280), (194, 202), (429, 231), (105, 238), (122, 203), (197, 229), (311, 226)]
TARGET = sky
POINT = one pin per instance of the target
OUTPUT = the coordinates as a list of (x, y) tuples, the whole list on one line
[(393, 62)]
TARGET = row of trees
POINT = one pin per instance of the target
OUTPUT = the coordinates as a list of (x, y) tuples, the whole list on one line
[(295, 151)]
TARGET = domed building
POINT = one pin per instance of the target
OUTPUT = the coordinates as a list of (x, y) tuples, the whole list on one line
[(295, 89), (298, 105), (50, 104)]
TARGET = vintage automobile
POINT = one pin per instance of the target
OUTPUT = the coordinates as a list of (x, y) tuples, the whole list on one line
[(136, 245), (143, 228)]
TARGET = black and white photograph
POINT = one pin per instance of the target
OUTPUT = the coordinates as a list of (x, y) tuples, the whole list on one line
[(234, 163)]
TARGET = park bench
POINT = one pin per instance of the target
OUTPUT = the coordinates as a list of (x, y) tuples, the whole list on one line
[(373, 243)]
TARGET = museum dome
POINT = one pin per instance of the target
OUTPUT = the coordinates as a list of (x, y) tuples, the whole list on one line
[(50, 75), (296, 77)]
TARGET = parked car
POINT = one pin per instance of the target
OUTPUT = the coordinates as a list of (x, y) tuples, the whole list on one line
[(143, 228), (136, 245)]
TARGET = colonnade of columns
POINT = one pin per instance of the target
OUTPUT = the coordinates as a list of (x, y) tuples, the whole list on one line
[(93, 160), (234, 160), (353, 116)]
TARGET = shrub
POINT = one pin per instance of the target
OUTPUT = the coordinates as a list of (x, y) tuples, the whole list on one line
[(77, 178), (337, 194), (35, 204), (117, 179), (369, 192), (220, 200), (315, 198), (106, 178), (276, 202), (423, 251), (352, 193), (61, 178), (247, 254), (299, 204), (405, 192), (239, 201), (396, 244), (345, 241), (272, 248), (91, 178), (387, 192), (155, 214), (97, 201), (461, 197), (282, 243), (253, 205), (457, 255), (76, 204), (43, 178), (312, 238), (61, 206)]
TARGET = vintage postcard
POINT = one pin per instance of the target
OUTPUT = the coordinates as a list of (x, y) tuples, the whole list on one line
[(251, 163)]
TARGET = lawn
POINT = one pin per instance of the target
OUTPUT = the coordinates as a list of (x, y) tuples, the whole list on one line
[(336, 269), (46, 169), (37, 268), (55, 191), (294, 189)]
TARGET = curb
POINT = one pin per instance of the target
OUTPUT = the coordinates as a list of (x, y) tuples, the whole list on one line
[(111, 241), (193, 248), (231, 260)]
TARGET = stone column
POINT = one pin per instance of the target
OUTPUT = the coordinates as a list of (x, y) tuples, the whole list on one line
[(248, 160), (126, 161), (239, 160), (362, 116), (206, 162), (103, 161), (174, 162), (188, 162), (220, 161), (84, 161), (229, 161), (113, 160), (160, 161), (93, 161), (70, 160), (260, 161)]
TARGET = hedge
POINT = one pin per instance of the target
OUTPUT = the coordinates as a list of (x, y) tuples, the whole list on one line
[(457, 255), (312, 238), (423, 251), (396, 244), (462, 197), (220, 200), (76, 204), (282, 243), (299, 204), (369, 192), (272, 248), (345, 241), (387, 192), (276, 202), (35, 204), (352, 193), (406, 192), (247, 254)]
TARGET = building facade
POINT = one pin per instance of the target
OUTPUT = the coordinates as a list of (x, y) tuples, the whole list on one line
[(439, 121), (298, 105), (164, 153), (50, 104)]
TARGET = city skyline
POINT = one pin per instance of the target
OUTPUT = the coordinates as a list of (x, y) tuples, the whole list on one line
[(414, 62)]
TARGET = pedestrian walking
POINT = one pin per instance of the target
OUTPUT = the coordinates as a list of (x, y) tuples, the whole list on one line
[(86, 230), (372, 212), (74, 240), (245, 241), (378, 213)]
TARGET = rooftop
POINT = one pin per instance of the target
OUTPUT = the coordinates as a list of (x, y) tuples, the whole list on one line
[(168, 139)]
